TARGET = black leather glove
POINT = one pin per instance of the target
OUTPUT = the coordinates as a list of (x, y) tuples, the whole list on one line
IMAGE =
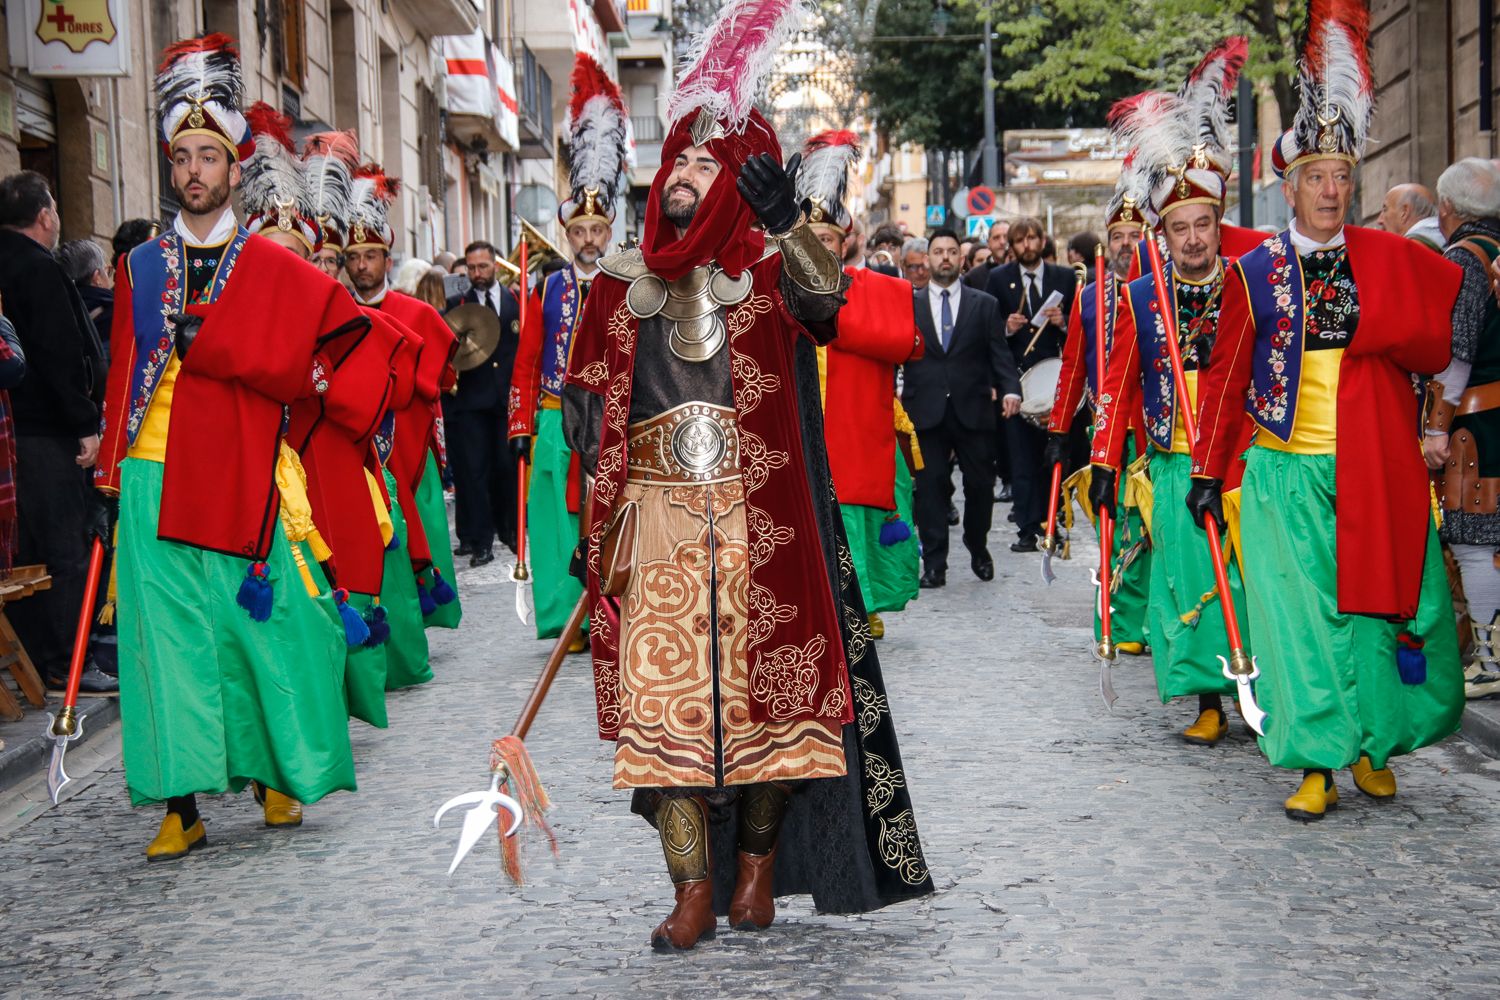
[(577, 567), (1056, 452), (1206, 496), (103, 513), (187, 331), (520, 448), (771, 191), (1102, 489)]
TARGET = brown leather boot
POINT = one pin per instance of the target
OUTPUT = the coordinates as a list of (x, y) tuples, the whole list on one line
[(683, 825), (753, 908)]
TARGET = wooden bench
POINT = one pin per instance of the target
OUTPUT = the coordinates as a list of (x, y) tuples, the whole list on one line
[(22, 582)]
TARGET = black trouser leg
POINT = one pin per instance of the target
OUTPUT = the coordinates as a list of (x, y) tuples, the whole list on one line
[(974, 463), (185, 806), (1028, 484), (51, 517), (504, 481), (933, 486), (1213, 701), (469, 458), (1000, 446)]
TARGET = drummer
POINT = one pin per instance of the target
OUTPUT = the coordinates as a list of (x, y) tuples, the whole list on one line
[(1035, 298), (950, 394)]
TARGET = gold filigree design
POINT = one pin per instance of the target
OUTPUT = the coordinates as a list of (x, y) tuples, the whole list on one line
[(870, 708), (882, 780), (900, 848), (786, 678)]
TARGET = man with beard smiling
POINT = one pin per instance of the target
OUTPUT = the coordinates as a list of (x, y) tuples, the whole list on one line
[(729, 662), (597, 147), (230, 672)]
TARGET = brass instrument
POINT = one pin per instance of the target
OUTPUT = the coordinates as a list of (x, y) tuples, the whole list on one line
[(1082, 270), (539, 252)]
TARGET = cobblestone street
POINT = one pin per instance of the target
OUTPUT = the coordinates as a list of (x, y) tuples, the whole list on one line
[(1075, 853)]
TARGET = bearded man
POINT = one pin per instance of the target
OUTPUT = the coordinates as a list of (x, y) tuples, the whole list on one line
[(722, 639)]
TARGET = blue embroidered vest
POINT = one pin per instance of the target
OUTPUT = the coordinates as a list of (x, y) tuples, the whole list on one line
[(1273, 283), (158, 287), (561, 307), (1086, 316), (1158, 388)]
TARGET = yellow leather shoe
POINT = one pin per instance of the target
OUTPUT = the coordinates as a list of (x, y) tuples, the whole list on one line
[(281, 810), (1313, 798), (1211, 727), (172, 841), (877, 627), (1130, 648), (580, 642), (1379, 784)]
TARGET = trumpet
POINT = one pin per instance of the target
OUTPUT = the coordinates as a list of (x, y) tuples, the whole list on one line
[(539, 253)]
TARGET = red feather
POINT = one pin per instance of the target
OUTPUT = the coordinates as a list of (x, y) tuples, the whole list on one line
[(341, 146), (589, 80), (1353, 16), (833, 137), (216, 42), (266, 120), (1234, 51), (386, 187)]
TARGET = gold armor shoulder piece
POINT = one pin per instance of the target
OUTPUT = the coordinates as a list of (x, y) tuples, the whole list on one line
[(627, 265), (807, 262)]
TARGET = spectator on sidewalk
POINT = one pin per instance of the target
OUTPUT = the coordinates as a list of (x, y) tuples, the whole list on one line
[(56, 423), (84, 264), (914, 262), (1410, 210), (12, 370), (130, 234)]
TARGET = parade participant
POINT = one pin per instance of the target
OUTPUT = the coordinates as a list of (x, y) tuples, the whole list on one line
[(1319, 337), (273, 189), (877, 331), (329, 160), (215, 696), (724, 623), (597, 151), (1463, 408), (1187, 197), (1125, 225), (414, 455)]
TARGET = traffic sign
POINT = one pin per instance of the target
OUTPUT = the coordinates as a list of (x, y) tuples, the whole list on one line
[(937, 215), (981, 200), (979, 225), (960, 202)]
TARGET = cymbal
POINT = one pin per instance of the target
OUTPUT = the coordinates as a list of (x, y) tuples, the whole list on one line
[(478, 331)]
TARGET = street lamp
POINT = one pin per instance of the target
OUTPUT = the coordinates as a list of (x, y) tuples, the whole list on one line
[(941, 18), (991, 166)]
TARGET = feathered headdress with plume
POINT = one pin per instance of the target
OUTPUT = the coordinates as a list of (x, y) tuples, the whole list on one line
[(1206, 94), (272, 187), (598, 145), (1130, 205), (369, 209), (725, 69), (199, 92), (1336, 90), (824, 178), (329, 159)]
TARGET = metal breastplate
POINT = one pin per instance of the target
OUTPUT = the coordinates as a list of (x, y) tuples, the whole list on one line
[(690, 306)]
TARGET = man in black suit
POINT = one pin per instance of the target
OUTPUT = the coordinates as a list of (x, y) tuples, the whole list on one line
[(474, 416), (1022, 288), (949, 394)]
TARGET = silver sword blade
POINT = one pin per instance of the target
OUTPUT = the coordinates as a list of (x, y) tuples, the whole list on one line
[(1253, 716), (1107, 685), (57, 776), (1047, 575)]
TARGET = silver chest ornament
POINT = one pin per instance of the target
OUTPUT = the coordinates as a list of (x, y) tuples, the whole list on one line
[(690, 306)]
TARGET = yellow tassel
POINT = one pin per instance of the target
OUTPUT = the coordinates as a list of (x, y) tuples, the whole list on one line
[(905, 426)]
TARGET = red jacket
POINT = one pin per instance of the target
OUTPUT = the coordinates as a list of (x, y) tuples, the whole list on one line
[(877, 331)]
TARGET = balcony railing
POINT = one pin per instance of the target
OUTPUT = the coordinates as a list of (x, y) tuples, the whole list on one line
[(536, 97), (647, 129)]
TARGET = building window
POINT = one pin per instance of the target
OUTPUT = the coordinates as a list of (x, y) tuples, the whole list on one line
[(294, 41), (430, 141)]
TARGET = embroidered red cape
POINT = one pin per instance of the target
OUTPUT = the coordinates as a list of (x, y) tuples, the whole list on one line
[(332, 434), (1406, 296), (796, 655), (877, 331), (526, 388), (253, 355)]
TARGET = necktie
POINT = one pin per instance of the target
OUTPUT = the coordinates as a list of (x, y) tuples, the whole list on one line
[(947, 319), (1033, 295), (485, 298)]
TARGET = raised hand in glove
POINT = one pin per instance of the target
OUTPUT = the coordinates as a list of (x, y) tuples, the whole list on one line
[(1056, 452), (520, 448), (103, 513), (771, 191), (1206, 496), (578, 566), (187, 331), (1102, 489)]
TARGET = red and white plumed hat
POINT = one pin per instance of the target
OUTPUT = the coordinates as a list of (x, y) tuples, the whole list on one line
[(1335, 88), (272, 187), (598, 145), (329, 160), (824, 179), (199, 92), (370, 207)]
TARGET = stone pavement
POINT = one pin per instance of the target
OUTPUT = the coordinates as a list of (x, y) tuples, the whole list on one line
[(1076, 853)]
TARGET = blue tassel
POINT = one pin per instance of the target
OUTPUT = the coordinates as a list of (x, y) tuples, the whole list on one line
[(1411, 662), (442, 593), (380, 632), (424, 598), (355, 629), (256, 593), (394, 543), (894, 531)]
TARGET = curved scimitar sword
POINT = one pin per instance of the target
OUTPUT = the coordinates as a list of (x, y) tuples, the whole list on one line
[(57, 777), (1242, 671), (1105, 656), (487, 805)]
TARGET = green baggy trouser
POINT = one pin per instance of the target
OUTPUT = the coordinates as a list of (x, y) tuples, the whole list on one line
[(1185, 618), (888, 574), (406, 660), (433, 512), (1329, 682), (551, 530), (364, 666), (1130, 602), (209, 698)]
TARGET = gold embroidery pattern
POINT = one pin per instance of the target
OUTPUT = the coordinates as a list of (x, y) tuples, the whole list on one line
[(593, 374), (860, 636), (882, 780), (870, 708), (900, 849), (785, 679)]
